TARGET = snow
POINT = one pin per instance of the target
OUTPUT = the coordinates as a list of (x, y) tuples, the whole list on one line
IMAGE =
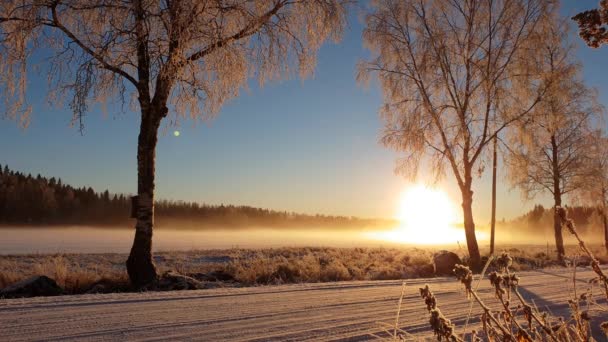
[(315, 312)]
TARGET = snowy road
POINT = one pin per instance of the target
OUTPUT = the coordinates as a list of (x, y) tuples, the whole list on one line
[(317, 312)]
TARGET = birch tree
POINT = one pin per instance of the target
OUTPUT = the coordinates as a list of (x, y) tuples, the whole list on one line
[(168, 58), (550, 152), (450, 72), (596, 191)]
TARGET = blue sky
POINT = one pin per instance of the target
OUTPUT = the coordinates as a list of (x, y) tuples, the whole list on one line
[(308, 146)]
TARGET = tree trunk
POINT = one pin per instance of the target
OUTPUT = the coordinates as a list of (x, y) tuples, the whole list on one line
[(557, 228), (493, 222), (469, 225), (557, 197), (605, 219), (140, 265)]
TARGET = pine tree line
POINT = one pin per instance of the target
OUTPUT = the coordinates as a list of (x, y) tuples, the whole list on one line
[(587, 218), (29, 200)]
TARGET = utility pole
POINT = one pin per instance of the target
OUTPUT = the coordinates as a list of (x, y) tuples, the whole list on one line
[(493, 224)]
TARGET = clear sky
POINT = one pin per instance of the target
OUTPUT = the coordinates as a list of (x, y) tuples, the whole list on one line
[(308, 146)]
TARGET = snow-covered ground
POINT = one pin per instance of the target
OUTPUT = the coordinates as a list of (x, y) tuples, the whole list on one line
[(317, 312)]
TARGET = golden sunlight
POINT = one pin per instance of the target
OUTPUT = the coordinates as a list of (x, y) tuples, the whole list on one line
[(426, 207), (426, 216)]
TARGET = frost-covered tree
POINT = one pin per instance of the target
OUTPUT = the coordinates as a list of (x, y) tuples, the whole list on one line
[(451, 72), (593, 25), (176, 58), (549, 153), (596, 191)]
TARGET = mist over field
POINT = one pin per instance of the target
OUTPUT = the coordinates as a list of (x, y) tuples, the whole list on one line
[(118, 239), (104, 240)]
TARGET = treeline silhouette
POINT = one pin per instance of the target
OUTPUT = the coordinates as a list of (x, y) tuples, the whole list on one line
[(586, 218), (29, 200)]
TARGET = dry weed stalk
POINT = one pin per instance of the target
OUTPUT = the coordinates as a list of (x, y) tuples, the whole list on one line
[(492, 325), (582, 317), (595, 264), (523, 322), (513, 322), (397, 334), (395, 331), (442, 326)]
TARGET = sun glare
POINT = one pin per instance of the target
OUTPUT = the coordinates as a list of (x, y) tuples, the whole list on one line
[(426, 207), (426, 216)]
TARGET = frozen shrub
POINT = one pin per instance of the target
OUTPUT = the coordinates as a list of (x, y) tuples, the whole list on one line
[(287, 273), (335, 271)]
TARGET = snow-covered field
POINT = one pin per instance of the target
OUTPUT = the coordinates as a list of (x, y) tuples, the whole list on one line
[(316, 312)]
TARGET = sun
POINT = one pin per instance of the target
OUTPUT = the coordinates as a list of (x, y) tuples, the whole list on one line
[(428, 208), (426, 216)]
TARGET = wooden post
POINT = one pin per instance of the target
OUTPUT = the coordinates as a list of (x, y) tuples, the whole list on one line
[(493, 223)]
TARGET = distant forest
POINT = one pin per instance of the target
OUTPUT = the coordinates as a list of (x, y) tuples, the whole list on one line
[(540, 219), (35, 201)]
